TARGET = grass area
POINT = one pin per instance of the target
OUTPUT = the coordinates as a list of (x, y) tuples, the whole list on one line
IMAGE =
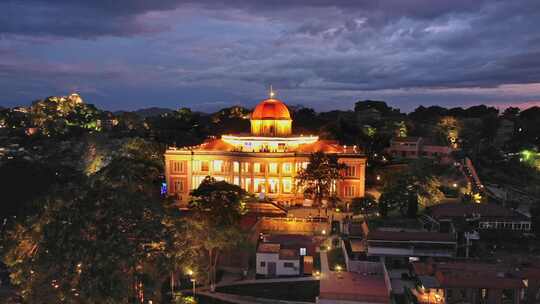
[(291, 291), (335, 258)]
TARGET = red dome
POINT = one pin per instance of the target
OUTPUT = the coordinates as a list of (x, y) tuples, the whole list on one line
[(271, 109)]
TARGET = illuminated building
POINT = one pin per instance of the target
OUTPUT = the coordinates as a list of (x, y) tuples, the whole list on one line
[(264, 162)]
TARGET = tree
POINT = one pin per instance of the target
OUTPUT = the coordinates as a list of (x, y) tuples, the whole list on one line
[(448, 130), (217, 208), (320, 175), (419, 186), (361, 205), (108, 239)]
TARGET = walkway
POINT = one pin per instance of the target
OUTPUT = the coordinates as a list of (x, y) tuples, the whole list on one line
[(276, 280), (325, 270), (245, 299)]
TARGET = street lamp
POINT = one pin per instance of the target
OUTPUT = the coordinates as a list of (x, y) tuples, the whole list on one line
[(191, 273), (193, 281)]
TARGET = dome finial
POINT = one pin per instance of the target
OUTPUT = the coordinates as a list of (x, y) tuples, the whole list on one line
[(272, 93)]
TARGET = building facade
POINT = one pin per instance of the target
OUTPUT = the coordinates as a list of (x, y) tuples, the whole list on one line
[(416, 147), (264, 162)]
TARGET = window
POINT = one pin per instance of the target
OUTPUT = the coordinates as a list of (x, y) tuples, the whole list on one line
[(217, 165), (177, 166), (263, 264), (287, 185), (303, 251), (204, 166), (273, 168), (236, 181), (258, 168), (288, 265), (177, 186), (236, 167), (247, 184), (259, 185), (245, 167), (287, 168), (351, 170), (272, 185), (349, 191)]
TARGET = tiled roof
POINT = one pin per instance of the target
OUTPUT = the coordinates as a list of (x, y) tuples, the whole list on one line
[(450, 210), (268, 248), (351, 286), (327, 146), (471, 274), (376, 235)]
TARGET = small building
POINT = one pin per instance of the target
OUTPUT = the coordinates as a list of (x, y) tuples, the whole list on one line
[(285, 255), (481, 217), (399, 246), (356, 287), (473, 282), (416, 147)]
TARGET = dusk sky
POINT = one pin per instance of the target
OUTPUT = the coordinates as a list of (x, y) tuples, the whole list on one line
[(131, 54)]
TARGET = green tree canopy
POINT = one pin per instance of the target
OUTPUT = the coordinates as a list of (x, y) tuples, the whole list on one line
[(103, 241), (320, 175), (216, 211)]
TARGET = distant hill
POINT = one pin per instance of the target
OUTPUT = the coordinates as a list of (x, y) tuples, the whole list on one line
[(148, 112)]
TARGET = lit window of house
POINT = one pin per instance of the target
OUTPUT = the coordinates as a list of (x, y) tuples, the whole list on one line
[(273, 168), (247, 184), (287, 168), (259, 185), (349, 191), (236, 167), (245, 167), (258, 168), (272, 185), (178, 186), (287, 185), (204, 166), (217, 165), (177, 166), (351, 170)]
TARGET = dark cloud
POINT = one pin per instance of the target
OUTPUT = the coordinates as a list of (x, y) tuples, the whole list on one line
[(313, 50)]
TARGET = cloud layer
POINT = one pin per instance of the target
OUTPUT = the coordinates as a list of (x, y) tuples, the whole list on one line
[(126, 54)]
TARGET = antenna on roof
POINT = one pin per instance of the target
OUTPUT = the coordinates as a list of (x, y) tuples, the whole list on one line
[(272, 93)]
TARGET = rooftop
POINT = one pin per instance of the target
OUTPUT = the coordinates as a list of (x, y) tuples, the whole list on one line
[(452, 210), (351, 286), (471, 275), (272, 109)]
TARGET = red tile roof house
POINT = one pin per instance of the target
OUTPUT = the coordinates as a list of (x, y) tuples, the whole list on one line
[(398, 246), (356, 287), (416, 147), (285, 255), (482, 217), (475, 283)]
